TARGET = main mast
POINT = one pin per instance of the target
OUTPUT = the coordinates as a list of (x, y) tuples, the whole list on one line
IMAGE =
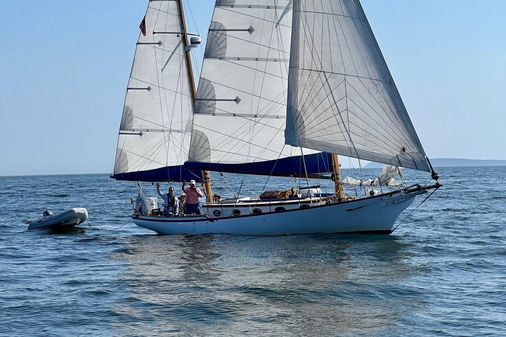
[(336, 174), (193, 87)]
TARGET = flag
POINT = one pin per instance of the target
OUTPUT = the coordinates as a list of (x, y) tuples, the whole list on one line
[(142, 26)]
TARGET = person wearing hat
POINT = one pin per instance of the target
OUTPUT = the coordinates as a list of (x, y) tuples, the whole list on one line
[(193, 193), (170, 202)]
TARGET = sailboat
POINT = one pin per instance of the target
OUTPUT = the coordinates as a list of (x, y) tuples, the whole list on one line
[(286, 87)]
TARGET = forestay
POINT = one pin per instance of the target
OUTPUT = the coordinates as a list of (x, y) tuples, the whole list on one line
[(240, 110), (342, 97), (155, 128)]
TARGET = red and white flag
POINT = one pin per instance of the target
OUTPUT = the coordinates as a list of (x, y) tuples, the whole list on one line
[(142, 26)]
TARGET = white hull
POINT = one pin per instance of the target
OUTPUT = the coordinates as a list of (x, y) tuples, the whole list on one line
[(64, 220), (368, 215)]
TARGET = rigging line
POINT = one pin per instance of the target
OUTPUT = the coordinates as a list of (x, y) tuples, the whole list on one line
[(309, 99), (262, 149), (316, 59), (375, 43), (274, 136), (249, 42), (236, 136), (390, 140), (252, 90), (379, 114), (266, 146), (389, 113), (388, 134), (333, 15), (240, 128), (301, 55), (250, 16), (402, 118), (238, 154), (156, 45), (244, 65), (338, 19), (273, 168), (123, 225), (141, 159), (147, 156), (247, 119), (162, 10), (387, 144), (305, 167), (167, 138), (369, 35), (247, 93), (155, 85), (324, 100), (263, 78), (201, 56), (227, 184), (416, 208)]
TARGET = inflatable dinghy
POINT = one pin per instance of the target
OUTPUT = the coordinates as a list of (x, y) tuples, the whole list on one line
[(64, 220)]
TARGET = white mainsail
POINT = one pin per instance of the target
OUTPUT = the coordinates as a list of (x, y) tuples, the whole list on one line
[(155, 128), (341, 95), (240, 110)]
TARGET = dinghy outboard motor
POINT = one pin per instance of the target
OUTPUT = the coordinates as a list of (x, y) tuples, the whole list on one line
[(144, 205)]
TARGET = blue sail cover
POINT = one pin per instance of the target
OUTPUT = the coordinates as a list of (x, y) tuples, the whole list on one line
[(171, 173), (316, 165)]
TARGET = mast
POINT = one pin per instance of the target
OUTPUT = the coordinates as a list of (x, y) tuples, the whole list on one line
[(337, 177), (191, 79)]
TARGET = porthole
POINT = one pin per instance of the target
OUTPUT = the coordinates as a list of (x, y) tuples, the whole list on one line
[(279, 209), (217, 213), (256, 211), (304, 206), (236, 212)]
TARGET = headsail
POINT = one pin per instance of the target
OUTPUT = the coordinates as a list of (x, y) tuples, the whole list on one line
[(240, 110), (155, 130), (341, 96)]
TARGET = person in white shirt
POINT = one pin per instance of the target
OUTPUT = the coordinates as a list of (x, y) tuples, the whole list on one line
[(170, 202)]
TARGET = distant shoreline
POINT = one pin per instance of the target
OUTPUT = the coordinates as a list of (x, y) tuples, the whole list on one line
[(457, 162)]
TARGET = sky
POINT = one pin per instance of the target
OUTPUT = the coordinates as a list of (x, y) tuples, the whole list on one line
[(64, 67)]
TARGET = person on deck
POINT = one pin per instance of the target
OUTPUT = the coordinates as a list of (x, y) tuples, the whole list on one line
[(170, 202), (193, 193)]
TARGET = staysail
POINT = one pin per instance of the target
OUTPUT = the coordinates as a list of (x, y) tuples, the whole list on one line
[(240, 109), (155, 131), (341, 95)]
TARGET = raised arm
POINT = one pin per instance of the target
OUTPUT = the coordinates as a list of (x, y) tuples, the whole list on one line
[(158, 190), (199, 192)]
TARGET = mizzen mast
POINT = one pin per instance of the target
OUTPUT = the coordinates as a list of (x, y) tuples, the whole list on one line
[(191, 78)]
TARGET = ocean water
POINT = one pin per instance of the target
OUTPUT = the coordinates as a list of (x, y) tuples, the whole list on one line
[(442, 273)]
